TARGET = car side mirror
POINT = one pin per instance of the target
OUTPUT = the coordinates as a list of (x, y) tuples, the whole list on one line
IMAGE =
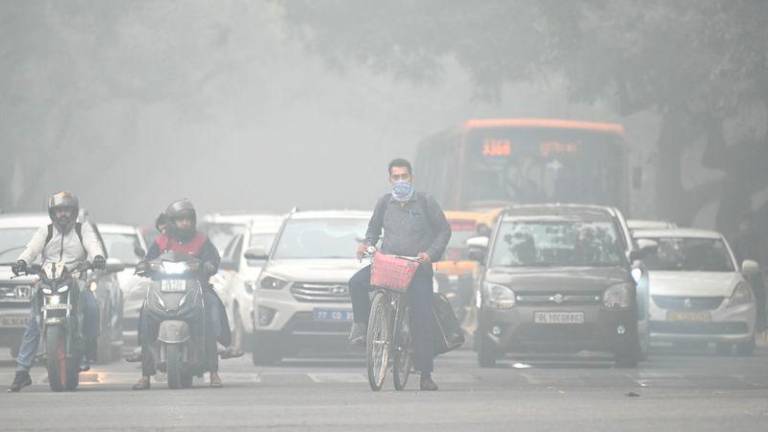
[(256, 254), (140, 252), (114, 265), (645, 247), (750, 268), (477, 248)]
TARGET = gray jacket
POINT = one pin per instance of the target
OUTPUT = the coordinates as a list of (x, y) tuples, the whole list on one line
[(63, 248)]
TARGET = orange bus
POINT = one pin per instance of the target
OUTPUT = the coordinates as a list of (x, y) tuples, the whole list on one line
[(490, 163)]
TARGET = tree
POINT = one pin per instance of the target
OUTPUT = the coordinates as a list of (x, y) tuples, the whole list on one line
[(694, 63)]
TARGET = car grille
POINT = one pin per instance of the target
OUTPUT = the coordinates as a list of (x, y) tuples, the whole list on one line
[(688, 303), (698, 328), (557, 297), (15, 293), (320, 292)]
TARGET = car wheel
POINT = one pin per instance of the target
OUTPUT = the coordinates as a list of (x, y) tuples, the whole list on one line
[(486, 352), (746, 349), (238, 332), (724, 349), (104, 350)]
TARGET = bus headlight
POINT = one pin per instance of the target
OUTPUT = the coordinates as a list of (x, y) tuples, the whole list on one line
[(498, 296), (617, 297)]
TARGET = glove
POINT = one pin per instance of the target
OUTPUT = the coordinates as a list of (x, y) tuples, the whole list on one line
[(19, 267), (99, 263), (209, 268)]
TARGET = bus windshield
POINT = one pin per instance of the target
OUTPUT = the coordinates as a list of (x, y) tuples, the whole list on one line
[(536, 165)]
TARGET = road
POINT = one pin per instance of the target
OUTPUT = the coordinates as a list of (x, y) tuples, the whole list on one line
[(672, 391)]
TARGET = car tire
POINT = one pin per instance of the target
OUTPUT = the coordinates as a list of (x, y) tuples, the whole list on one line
[(628, 356), (486, 352), (746, 349), (724, 349), (105, 351)]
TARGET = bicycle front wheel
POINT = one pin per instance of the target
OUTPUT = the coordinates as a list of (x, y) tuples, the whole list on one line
[(378, 340), (402, 361)]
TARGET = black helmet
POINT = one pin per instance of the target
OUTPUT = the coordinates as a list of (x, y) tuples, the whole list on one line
[(181, 209), (63, 200)]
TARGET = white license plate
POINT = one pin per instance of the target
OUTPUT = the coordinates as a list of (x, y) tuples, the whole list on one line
[(172, 286), (13, 322), (59, 306), (689, 316), (558, 317), (332, 315)]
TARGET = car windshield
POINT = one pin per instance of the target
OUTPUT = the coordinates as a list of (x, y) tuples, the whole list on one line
[(557, 243), (320, 238), (122, 247), (13, 241), (690, 254)]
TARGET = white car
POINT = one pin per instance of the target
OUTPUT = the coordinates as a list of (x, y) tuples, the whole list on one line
[(126, 244), (237, 276), (698, 291), (301, 299), (646, 224)]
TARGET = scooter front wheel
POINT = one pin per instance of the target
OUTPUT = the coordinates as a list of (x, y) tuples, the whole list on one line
[(174, 366)]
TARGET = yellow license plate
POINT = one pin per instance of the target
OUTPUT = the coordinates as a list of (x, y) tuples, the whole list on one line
[(689, 316)]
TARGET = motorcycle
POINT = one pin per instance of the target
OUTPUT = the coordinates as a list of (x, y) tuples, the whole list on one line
[(175, 301), (57, 294)]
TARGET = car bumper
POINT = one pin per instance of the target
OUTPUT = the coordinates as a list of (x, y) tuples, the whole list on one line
[(725, 324), (293, 325), (515, 330)]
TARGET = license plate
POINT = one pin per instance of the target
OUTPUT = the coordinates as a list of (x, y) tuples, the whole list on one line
[(558, 317), (173, 286), (689, 316), (59, 306), (332, 315), (9, 322)]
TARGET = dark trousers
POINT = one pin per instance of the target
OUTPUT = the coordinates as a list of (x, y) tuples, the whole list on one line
[(420, 307)]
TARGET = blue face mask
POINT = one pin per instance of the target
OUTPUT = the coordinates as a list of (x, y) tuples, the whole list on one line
[(402, 190)]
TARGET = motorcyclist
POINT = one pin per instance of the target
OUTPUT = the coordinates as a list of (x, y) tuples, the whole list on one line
[(71, 243), (181, 236), (412, 224)]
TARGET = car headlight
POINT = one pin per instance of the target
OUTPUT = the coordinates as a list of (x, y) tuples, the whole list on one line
[(618, 297), (741, 295), (63, 289), (250, 286), (498, 296), (271, 282)]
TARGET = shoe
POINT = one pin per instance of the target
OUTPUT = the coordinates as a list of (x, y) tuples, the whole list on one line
[(426, 383), (216, 380), (358, 334), (143, 384), (21, 380), (230, 353)]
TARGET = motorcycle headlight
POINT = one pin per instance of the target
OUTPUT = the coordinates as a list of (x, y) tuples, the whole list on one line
[(498, 296), (47, 290), (741, 295), (175, 268), (273, 283), (617, 297), (63, 289)]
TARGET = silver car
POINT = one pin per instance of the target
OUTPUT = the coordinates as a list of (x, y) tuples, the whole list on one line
[(699, 293), (301, 300)]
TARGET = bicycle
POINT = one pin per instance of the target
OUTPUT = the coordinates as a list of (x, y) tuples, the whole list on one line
[(388, 341)]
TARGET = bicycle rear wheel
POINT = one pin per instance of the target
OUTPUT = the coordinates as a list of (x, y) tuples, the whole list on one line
[(378, 340), (402, 361)]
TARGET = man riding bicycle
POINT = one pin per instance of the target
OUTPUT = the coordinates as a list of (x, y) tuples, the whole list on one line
[(414, 225)]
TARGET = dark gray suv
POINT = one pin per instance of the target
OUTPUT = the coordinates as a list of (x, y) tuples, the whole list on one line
[(558, 278)]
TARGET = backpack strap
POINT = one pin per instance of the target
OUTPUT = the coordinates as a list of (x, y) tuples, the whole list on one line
[(78, 231)]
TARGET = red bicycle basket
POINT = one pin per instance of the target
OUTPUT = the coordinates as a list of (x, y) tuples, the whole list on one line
[(392, 272)]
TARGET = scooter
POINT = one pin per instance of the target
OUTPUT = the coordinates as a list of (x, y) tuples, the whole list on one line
[(175, 301)]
